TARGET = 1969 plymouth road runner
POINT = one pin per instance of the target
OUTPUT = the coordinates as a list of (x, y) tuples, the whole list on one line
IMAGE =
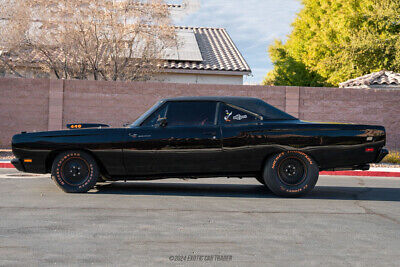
[(193, 137)]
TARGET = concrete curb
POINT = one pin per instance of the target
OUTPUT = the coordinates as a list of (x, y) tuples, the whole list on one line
[(363, 173), (373, 172)]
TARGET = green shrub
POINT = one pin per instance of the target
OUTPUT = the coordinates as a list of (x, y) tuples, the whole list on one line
[(393, 157)]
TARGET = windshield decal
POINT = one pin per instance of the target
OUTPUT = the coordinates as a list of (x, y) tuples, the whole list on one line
[(228, 114), (239, 117)]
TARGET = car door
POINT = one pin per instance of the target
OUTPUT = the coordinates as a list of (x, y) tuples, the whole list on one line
[(242, 146), (189, 142)]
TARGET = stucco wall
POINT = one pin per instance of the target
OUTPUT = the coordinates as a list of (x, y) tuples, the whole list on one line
[(25, 103), (169, 77), (199, 78)]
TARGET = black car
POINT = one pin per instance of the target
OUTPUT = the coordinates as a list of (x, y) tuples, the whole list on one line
[(195, 137)]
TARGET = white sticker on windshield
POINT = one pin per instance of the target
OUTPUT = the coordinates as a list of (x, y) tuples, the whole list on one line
[(239, 117)]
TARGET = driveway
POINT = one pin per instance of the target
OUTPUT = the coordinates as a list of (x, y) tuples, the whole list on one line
[(232, 222)]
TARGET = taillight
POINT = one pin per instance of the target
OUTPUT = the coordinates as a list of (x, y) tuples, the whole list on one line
[(369, 149)]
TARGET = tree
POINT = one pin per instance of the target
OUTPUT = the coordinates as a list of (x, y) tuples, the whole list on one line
[(99, 39), (12, 32), (336, 40), (288, 71)]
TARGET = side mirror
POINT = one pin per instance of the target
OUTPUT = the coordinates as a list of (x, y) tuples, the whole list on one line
[(162, 122)]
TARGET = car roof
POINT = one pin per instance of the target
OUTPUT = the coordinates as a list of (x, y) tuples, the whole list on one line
[(255, 105), (236, 100)]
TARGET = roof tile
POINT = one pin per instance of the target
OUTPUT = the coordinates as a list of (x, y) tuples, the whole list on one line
[(217, 49), (377, 78)]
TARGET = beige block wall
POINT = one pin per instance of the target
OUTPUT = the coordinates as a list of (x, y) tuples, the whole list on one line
[(363, 106), (117, 103), (23, 107), (25, 103)]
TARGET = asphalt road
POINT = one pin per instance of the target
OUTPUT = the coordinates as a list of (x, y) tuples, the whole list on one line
[(344, 221)]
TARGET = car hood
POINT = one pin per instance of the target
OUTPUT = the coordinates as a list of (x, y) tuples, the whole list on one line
[(89, 131)]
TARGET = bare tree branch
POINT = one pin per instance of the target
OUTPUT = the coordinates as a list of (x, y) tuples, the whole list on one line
[(109, 40)]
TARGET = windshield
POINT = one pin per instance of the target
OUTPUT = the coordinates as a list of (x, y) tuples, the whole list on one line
[(146, 114)]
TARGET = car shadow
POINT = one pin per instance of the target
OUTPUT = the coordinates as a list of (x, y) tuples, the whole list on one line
[(243, 191)]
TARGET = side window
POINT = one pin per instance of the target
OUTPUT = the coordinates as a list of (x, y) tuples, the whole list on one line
[(153, 119), (191, 113), (231, 115)]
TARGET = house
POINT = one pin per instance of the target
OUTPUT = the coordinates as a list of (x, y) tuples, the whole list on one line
[(202, 55), (378, 80), (205, 56)]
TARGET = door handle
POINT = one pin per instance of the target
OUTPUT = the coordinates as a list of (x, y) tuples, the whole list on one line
[(133, 135)]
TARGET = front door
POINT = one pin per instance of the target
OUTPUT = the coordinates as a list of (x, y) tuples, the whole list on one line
[(189, 143)]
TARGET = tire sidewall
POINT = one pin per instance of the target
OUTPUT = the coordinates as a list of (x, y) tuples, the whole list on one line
[(273, 181), (87, 184)]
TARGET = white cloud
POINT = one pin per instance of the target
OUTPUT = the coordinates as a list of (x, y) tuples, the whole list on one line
[(252, 24)]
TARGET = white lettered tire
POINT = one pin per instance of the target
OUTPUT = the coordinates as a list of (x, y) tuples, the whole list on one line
[(290, 173), (75, 171)]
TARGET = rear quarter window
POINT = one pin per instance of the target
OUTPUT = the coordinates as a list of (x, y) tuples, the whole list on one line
[(231, 115)]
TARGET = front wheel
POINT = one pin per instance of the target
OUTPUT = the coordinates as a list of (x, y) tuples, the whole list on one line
[(291, 173), (75, 171)]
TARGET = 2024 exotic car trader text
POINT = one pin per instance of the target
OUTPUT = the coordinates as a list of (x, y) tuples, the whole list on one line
[(195, 137)]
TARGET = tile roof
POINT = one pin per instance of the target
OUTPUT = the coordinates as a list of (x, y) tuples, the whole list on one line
[(384, 78), (218, 51)]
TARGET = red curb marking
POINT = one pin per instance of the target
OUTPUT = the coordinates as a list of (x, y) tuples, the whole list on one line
[(361, 173), (6, 165)]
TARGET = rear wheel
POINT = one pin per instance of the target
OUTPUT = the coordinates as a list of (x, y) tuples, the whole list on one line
[(75, 171), (291, 173)]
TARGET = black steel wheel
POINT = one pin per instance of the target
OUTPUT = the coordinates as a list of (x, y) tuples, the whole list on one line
[(75, 171), (291, 173)]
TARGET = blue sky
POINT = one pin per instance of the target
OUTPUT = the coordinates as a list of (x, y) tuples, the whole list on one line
[(252, 24)]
